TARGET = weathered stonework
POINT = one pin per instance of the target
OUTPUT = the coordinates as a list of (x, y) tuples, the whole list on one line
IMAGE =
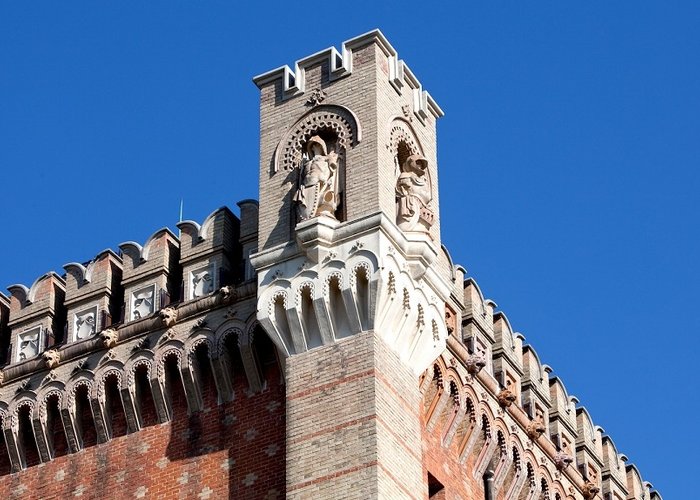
[(322, 345)]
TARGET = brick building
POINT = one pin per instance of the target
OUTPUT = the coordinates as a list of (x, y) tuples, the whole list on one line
[(320, 344)]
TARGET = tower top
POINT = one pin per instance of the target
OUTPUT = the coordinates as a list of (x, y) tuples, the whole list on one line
[(293, 81)]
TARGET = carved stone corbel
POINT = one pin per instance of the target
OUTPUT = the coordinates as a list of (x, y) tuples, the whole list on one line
[(227, 293), (168, 316), (589, 490), (562, 460), (535, 429), (109, 338), (51, 358), (506, 398), (475, 363)]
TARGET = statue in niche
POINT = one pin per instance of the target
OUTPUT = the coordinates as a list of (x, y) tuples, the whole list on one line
[(413, 195), (318, 192)]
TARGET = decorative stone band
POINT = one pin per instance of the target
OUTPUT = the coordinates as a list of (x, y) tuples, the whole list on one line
[(352, 277), (118, 333)]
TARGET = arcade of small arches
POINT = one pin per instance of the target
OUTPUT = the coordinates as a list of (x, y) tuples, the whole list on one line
[(96, 405), (467, 427)]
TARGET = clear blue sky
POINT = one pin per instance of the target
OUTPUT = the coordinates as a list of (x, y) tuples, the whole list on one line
[(568, 157)]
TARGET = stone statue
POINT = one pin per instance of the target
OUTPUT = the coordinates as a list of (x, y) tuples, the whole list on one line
[(318, 190), (413, 195)]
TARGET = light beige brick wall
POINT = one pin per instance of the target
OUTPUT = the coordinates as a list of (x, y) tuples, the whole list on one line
[(352, 426)]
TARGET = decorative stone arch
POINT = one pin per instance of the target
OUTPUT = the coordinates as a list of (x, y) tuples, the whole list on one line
[(197, 338), (173, 348), (83, 378), (164, 351), (224, 365), (403, 142), (101, 411), (191, 373), (143, 358), (252, 362), (11, 427), (339, 120), (4, 414), (54, 388), (113, 367), (43, 429), (306, 286), (26, 399)]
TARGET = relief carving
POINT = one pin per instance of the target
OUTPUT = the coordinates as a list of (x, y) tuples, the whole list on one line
[(413, 195), (51, 358), (535, 429), (318, 192), (168, 316), (109, 338), (590, 490), (506, 398), (562, 460), (475, 363)]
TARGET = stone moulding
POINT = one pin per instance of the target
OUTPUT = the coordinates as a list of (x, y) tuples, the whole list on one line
[(124, 332), (340, 119), (348, 291)]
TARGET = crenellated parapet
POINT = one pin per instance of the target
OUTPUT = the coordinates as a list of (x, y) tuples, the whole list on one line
[(536, 443), (4, 329), (94, 295), (290, 82), (151, 274), (37, 316), (210, 253), (67, 314)]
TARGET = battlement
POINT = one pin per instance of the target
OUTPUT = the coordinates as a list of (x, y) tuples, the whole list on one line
[(329, 313), (290, 82)]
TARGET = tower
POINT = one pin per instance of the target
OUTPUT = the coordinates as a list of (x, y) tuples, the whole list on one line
[(352, 280)]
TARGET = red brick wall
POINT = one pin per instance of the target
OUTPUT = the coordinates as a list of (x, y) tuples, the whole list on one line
[(443, 461), (236, 450)]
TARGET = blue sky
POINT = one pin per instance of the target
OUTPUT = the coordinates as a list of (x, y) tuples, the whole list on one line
[(568, 161)]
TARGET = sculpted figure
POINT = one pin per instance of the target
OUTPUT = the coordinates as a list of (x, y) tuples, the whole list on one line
[(535, 429), (168, 316), (51, 358), (318, 190), (109, 338), (506, 398), (413, 195)]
